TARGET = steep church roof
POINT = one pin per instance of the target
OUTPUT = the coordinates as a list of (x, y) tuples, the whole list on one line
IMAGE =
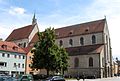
[(82, 50), (34, 39), (23, 32), (20, 33), (81, 29)]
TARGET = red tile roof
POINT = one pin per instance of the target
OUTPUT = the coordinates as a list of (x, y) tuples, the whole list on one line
[(31, 44), (20, 33), (82, 50), (28, 49), (80, 29), (10, 46), (34, 39)]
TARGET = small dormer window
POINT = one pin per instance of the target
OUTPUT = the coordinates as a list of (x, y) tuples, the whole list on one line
[(57, 34), (15, 48), (87, 29), (4, 46), (71, 32)]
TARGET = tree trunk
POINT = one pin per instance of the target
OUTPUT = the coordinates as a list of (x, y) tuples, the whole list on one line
[(47, 72)]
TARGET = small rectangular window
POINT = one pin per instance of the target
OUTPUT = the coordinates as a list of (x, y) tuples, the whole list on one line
[(8, 55), (15, 56), (22, 65), (19, 65), (30, 65), (5, 64), (23, 57), (1, 63), (19, 56), (3, 54), (15, 65)]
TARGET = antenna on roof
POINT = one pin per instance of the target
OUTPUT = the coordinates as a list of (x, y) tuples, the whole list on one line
[(34, 20)]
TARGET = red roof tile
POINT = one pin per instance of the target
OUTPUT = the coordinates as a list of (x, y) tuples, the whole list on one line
[(34, 39), (10, 46), (20, 33), (80, 29), (28, 49), (82, 50)]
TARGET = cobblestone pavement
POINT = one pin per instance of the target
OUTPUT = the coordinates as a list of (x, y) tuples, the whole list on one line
[(103, 79)]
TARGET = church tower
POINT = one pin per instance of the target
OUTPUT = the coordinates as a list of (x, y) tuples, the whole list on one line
[(34, 20)]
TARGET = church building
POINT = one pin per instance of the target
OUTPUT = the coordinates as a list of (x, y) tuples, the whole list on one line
[(88, 46)]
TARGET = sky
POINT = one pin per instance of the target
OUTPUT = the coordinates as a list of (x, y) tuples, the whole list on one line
[(59, 13)]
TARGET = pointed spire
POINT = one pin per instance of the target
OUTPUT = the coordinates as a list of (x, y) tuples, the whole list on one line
[(34, 20), (105, 16)]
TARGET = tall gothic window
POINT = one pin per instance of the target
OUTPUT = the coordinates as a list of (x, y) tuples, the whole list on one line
[(76, 62), (90, 62), (82, 41), (71, 42), (93, 39), (61, 42)]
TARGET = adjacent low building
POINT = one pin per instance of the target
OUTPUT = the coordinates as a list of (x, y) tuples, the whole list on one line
[(118, 61), (12, 58), (115, 68)]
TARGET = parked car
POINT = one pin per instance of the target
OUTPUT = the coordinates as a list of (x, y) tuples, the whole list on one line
[(25, 77), (39, 77), (10, 79), (91, 77), (4, 77), (55, 78)]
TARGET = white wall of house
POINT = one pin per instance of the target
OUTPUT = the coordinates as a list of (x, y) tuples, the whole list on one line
[(11, 60)]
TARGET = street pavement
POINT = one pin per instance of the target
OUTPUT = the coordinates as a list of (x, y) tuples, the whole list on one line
[(103, 79)]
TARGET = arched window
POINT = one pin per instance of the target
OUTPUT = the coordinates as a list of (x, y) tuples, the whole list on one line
[(90, 62), (76, 62), (93, 39), (24, 44), (61, 43), (71, 42), (82, 41)]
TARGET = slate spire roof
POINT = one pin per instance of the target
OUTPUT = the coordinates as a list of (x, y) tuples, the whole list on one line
[(34, 20)]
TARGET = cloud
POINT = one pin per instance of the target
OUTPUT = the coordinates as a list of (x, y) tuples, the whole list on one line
[(16, 10)]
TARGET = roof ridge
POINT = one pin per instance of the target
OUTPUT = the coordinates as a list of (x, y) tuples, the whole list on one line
[(19, 33), (86, 45), (81, 23), (23, 27)]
